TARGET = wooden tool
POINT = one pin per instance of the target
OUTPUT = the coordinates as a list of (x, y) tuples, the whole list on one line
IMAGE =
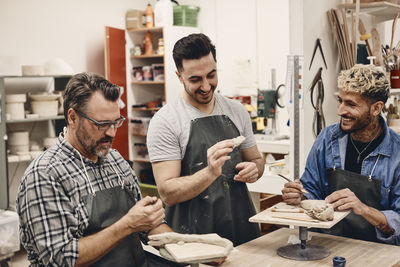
[(393, 31), (294, 218), (364, 36), (376, 47), (287, 179), (288, 210)]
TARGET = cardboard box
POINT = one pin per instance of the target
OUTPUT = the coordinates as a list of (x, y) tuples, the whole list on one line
[(9, 233), (134, 19)]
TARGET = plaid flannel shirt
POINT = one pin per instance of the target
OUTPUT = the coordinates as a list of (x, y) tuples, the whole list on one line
[(51, 211)]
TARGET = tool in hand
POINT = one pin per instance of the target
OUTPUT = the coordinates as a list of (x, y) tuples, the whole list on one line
[(287, 179), (318, 45)]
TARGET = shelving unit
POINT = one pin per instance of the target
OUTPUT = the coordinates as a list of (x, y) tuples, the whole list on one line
[(29, 124), (142, 92), (383, 11)]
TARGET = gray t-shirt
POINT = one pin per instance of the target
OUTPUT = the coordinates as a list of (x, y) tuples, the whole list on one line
[(169, 129)]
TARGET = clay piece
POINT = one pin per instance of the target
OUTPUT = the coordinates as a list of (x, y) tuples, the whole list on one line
[(191, 247), (318, 209), (238, 140)]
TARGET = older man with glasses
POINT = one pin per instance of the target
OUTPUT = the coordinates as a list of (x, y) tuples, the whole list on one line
[(79, 203)]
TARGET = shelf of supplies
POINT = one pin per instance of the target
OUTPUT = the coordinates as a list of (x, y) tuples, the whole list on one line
[(139, 135), (34, 76), (395, 91), (153, 29), (149, 82), (381, 10), (141, 160), (147, 56), (59, 117)]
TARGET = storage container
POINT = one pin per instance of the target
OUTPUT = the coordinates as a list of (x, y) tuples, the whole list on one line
[(15, 106), (9, 234), (140, 151), (158, 72), (134, 19), (140, 125), (185, 15)]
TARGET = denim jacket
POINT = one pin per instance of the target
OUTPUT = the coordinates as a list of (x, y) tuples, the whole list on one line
[(329, 151)]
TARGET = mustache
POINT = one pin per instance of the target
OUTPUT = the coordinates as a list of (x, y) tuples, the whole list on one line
[(211, 89), (105, 139)]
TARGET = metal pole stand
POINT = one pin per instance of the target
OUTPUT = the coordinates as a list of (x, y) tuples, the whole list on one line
[(302, 251)]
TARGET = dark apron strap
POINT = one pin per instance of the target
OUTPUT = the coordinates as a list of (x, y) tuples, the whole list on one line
[(367, 191), (225, 206)]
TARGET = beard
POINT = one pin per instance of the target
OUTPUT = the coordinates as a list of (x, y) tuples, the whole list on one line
[(91, 146), (359, 123), (196, 95)]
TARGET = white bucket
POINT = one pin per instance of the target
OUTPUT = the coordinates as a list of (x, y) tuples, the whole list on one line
[(18, 138), (15, 106), (45, 108)]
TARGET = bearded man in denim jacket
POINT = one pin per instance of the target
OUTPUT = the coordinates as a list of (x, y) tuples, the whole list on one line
[(355, 164)]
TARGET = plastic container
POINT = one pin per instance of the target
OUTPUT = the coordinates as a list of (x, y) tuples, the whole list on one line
[(148, 44), (140, 125), (163, 13), (137, 74), (15, 106), (9, 234), (158, 72), (149, 16), (147, 73), (45, 108), (185, 15), (395, 79)]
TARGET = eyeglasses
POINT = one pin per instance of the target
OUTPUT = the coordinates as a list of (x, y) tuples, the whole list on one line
[(104, 126)]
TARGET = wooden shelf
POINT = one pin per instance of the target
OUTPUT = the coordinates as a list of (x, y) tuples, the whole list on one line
[(383, 11), (59, 117), (139, 135), (147, 56), (149, 83), (144, 30), (145, 109)]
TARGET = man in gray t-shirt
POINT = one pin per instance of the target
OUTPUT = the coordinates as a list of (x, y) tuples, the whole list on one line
[(200, 175)]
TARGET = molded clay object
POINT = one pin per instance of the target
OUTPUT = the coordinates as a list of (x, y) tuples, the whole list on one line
[(318, 209), (191, 247), (238, 140)]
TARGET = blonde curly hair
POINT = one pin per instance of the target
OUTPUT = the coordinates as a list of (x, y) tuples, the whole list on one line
[(367, 80)]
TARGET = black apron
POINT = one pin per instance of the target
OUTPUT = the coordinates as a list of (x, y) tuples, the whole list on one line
[(367, 190), (225, 206), (105, 208)]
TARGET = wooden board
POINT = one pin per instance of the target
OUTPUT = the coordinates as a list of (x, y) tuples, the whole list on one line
[(190, 252), (296, 219)]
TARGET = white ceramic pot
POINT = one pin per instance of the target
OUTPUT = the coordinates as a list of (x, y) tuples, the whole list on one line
[(18, 138), (17, 149), (15, 106), (32, 70), (45, 108)]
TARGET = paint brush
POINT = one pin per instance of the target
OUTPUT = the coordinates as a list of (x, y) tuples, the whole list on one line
[(287, 179)]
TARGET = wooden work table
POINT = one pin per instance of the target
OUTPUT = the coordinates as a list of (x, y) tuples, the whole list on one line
[(262, 251)]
